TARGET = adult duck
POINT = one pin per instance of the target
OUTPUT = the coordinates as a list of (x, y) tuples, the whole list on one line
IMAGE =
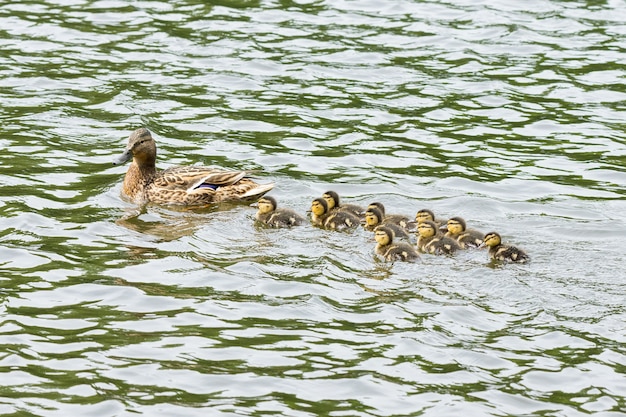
[(181, 185)]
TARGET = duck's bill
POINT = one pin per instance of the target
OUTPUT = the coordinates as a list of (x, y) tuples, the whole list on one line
[(123, 158)]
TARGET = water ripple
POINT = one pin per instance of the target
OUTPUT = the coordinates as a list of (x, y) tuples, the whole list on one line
[(509, 115)]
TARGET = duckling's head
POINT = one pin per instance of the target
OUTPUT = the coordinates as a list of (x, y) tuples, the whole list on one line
[(383, 235), (379, 206), (373, 217), (332, 198), (141, 147), (456, 225), (425, 215), (492, 239), (267, 204), (427, 228), (319, 207)]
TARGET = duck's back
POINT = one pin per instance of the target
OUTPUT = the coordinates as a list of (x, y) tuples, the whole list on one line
[(199, 185)]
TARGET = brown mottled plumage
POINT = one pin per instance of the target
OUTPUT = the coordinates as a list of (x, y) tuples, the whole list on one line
[(274, 216), (185, 185), (431, 240), (467, 238), (391, 251), (501, 252)]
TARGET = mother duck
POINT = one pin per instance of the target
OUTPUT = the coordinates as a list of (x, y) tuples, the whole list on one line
[(181, 185)]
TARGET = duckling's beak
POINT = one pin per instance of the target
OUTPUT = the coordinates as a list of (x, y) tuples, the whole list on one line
[(255, 205), (123, 158), (482, 245)]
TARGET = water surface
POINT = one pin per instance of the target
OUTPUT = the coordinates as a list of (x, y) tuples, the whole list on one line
[(509, 114)]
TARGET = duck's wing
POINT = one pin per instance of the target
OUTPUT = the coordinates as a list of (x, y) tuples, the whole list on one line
[(196, 177)]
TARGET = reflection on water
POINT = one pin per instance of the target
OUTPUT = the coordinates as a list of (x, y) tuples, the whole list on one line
[(508, 115)]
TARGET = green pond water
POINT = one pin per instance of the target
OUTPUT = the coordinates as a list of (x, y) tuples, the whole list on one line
[(507, 113)]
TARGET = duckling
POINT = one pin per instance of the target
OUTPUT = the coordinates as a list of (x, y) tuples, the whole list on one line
[(374, 218), (501, 252), (391, 251), (467, 238), (398, 219), (428, 215), (319, 212), (431, 240), (337, 220), (272, 216), (332, 198)]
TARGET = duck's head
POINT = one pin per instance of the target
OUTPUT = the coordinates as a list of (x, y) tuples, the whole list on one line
[(383, 235), (456, 225), (332, 199), (424, 215), (377, 205), (427, 228), (492, 239), (319, 207), (140, 147), (266, 204), (373, 216)]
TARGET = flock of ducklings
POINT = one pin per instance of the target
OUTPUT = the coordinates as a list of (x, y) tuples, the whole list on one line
[(392, 231)]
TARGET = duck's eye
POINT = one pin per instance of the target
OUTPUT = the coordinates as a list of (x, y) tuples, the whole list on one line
[(139, 143)]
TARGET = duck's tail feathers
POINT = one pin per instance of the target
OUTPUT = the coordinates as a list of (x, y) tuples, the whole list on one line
[(257, 192)]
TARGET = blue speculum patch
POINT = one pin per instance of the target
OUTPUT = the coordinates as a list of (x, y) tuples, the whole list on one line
[(211, 186)]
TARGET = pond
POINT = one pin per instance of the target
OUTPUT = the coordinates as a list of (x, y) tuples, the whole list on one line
[(508, 114)]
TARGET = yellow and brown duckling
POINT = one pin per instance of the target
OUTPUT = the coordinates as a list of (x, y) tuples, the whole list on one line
[(319, 212), (321, 216), (424, 215), (374, 218), (399, 219), (501, 252), (182, 185), (390, 250), (270, 214), (431, 240), (467, 238), (334, 203)]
